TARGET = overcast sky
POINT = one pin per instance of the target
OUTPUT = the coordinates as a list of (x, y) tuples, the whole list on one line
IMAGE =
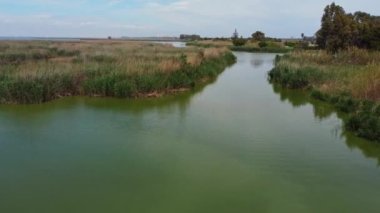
[(101, 18)]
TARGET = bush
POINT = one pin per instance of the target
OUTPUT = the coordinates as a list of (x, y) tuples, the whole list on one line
[(365, 124), (263, 44), (238, 42), (293, 78)]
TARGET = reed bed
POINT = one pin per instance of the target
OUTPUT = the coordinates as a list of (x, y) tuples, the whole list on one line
[(39, 71), (355, 72)]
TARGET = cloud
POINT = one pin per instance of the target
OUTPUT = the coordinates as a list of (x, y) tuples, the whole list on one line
[(167, 17), (113, 2), (171, 7)]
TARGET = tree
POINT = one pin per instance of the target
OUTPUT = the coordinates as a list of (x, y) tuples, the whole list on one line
[(374, 41), (336, 31), (190, 37), (367, 30), (362, 29), (340, 30), (258, 36)]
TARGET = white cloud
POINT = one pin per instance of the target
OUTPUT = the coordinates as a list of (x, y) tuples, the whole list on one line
[(152, 17), (113, 2), (171, 7)]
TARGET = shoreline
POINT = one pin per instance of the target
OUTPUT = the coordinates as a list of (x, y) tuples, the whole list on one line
[(363, 114)]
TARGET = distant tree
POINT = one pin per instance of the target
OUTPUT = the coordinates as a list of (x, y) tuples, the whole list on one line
[(258, 36), (302, 35), (190, 37)]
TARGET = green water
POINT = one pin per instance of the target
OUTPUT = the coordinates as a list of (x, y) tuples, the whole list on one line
[(238, 144)]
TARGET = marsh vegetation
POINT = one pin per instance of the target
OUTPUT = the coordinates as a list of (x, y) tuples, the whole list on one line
[(35, 72)]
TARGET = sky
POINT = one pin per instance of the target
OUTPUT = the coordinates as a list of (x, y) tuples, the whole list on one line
[(210, 18)]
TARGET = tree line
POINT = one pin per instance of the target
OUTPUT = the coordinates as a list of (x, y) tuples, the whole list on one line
[(340, 30)]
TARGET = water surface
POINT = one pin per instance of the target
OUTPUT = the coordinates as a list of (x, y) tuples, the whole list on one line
[(177, 44), (238, 144)]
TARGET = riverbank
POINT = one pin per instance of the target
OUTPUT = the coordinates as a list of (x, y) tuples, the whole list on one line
[(349, 80), (40, 71), (250, 46)]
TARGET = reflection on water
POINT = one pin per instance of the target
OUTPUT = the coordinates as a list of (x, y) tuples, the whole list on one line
[(178, 44), (322, 111), (299, 98), (370, 150), (293, 97), (257, 62)]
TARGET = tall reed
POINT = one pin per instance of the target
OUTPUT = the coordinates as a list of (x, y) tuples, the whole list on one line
[(35, 72)]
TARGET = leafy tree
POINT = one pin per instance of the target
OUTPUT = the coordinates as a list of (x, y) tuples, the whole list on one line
[(362, 29), (336, 31), (340, 30), (375, 34), (367, 30), (258, 36)]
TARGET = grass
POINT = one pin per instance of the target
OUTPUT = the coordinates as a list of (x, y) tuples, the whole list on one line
[(349, 80), (250, 46), (36, 72)]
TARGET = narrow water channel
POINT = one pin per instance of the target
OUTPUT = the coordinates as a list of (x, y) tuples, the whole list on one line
[(238, 144)]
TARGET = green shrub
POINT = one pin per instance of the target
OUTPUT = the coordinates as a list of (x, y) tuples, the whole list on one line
[(365, 124), (238, 42), (263, 44)]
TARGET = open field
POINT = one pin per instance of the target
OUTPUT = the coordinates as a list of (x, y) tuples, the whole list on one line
[(39, 71), (350, 80)]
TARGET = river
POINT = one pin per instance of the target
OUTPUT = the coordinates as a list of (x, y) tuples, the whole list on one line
[(238, 144)]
